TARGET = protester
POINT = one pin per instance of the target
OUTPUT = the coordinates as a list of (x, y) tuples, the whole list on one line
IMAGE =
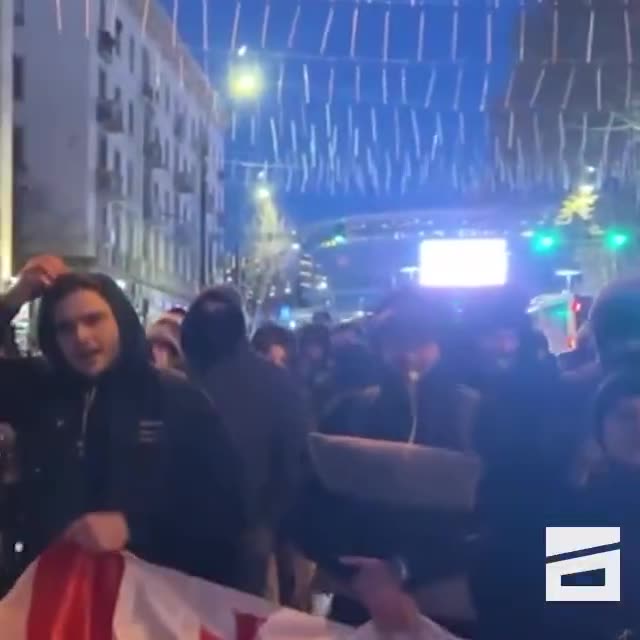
[(115, 453), (314, 363), (421, 399), (164, 339), (262, 410), (276, 344)]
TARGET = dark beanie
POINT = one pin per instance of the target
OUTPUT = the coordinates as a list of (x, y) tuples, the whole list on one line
[(213, 328)]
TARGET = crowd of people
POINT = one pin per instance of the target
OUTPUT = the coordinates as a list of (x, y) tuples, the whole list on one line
[(188, 444)]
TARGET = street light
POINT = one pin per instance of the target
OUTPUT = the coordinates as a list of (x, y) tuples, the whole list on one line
[(262, 193), (245, 82)]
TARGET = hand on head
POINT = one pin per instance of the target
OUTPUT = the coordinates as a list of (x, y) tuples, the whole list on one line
[(35, 278)]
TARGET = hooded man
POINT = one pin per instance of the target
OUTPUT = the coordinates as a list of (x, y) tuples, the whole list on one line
[(261, 409), (115, 454)]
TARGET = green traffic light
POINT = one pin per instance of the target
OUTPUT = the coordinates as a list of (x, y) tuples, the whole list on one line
[(544, 242), (617, 240)]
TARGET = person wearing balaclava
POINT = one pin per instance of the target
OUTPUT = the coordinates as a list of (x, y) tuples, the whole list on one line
[(262, 410), (117, 454)]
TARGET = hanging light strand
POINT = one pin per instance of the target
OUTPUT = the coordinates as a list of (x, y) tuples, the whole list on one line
[(265, 25), (294, 27), (354, 31), (327, 30)]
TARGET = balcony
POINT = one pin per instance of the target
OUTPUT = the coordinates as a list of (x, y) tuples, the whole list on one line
[(109, 184), (185, 182), (110, 116), (106, 45), (153, 155)]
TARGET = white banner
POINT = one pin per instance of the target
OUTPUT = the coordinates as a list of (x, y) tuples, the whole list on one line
[(70, 595)]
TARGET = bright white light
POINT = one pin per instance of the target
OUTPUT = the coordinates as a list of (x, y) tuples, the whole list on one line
[(293, 324), (242, 51), (121, 283), (466, 262), (246, 82), (263, 193), (587, 189), (322, 286), (591, 169), (295, 246)]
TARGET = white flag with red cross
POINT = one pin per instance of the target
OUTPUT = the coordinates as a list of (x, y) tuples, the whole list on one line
[(68, 594)]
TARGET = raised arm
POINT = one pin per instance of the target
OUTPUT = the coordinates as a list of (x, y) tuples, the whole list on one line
[(19, 377)]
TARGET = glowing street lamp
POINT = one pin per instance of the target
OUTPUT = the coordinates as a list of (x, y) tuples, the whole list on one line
[(262, 193), (246, 82)]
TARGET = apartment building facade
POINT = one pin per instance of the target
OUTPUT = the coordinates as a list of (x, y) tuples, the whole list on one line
[(118, 147)]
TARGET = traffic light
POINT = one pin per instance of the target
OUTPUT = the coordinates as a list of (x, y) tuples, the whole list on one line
[(545, 241), (616, 239)]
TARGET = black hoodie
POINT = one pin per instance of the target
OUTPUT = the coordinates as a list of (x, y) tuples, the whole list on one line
[(262, 410), (135, 440)]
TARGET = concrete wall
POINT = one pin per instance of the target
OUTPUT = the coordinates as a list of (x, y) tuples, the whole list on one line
[(54, 207), (6, 135)]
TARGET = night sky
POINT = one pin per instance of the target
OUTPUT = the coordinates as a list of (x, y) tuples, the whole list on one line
[(333, 147)]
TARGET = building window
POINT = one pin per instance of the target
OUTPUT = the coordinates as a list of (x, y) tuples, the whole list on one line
[(156, 193), (167, 155), (18, 13), (119, 29), (146, 65), (130, 180), (102, 15), (132, 55), (18, 78), (103, 152), (18, 148), (117, 94), (167, 99), (176, 206), (132, 118), (117, 162), (102, 84)]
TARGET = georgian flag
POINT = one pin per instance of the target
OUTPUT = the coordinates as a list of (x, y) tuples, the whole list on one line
[(68, 594)]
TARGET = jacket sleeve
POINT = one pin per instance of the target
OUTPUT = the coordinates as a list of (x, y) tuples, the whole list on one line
[(207, 495)]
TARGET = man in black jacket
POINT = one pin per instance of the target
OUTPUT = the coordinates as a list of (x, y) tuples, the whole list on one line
[(263, 411), (114, 453)]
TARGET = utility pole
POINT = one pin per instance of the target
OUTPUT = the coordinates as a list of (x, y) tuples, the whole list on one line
[(6, 142)]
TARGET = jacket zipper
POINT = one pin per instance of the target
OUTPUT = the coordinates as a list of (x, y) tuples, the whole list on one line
[(89, 399)]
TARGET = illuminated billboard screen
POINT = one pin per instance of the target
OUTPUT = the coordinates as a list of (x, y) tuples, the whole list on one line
[(464, 262)]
